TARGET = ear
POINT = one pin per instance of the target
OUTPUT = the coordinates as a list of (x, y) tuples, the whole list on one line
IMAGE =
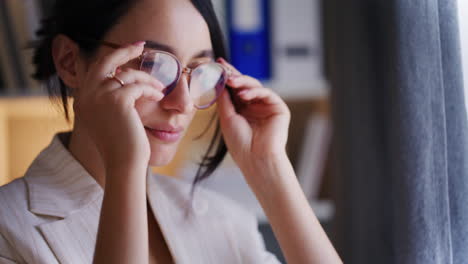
[(65, 53)]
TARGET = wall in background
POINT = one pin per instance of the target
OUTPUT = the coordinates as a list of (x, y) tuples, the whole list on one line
[(463, 20)]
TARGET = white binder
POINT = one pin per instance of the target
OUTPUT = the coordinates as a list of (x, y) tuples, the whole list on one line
[(297, 46)]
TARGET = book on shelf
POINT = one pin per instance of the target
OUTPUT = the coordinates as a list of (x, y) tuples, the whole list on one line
[(296, 45), (2, 82), (249, 37), (313, 155), (221, 13), (19, 21), (278, 42), (8, 73)]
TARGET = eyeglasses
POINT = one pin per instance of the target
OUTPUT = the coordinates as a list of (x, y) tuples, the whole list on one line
[(206, 81)]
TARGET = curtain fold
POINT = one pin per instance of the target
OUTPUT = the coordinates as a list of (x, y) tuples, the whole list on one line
[(401, 133)]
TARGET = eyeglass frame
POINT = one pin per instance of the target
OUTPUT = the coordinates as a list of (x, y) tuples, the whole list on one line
[(180, 70)]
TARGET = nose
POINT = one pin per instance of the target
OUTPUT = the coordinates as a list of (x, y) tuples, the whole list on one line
[(179, 99)]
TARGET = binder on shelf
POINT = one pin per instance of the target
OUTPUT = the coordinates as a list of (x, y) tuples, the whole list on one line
[(2, 82), (9, 72), (297, 45), (314, 152), (19, 21), (249, 37), (219, 7)]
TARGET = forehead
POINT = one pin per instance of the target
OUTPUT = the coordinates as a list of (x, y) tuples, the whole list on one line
[(174, 23)]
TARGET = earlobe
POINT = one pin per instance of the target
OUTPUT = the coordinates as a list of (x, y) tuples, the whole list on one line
[(65, 54)]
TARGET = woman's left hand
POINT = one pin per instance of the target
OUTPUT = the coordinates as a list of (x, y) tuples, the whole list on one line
[(256, 137), (258, 130)]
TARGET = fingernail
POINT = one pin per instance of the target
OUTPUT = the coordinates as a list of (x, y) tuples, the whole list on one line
[(234, 76), (139, 43), (242, 92)]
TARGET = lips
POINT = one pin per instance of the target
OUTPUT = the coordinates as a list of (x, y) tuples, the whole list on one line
[(165, 133)]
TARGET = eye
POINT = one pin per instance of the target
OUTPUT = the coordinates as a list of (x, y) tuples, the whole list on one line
[(197, 63), (133, 63), (147, 64)]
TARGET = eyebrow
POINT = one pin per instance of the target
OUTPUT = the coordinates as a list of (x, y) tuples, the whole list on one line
[(159, 46)]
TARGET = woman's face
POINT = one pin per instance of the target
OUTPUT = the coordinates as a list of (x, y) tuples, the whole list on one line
[(178, 25)]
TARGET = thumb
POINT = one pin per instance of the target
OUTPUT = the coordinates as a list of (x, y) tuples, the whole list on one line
[(226, 108)]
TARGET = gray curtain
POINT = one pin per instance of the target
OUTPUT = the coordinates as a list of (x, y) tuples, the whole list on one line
[(401, 135)]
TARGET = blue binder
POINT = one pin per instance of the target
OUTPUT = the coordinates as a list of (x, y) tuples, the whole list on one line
[(249, 37)]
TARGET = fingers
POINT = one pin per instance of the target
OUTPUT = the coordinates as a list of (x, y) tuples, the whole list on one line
[(249, 89), (225, 106), (128, 94), (237, 79), (263, 94), (243, 81), (129, 76), (117, 58), (226, 64)]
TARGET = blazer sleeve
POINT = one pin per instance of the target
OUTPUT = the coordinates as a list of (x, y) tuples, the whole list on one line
[(7, 253)]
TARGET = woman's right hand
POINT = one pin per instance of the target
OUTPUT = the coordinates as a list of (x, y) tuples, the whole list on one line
[(106, 109)]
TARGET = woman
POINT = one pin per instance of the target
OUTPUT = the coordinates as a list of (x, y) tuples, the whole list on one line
[(89, 195)]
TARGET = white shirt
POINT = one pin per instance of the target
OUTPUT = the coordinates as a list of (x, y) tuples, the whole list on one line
[(51, 215)]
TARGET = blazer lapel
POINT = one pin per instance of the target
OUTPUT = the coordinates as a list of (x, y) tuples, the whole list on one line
[(167, 217), (193, 235), (59, 187), (73, 238)]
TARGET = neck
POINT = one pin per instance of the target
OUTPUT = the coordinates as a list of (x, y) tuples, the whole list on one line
[(84, 150)]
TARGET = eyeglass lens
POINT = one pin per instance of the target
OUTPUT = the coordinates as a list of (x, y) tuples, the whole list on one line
[(206, 83)]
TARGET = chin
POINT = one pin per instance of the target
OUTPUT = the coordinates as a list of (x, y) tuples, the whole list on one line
[(162, 154)]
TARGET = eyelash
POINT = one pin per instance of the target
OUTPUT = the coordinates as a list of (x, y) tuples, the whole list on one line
[(192, 65)]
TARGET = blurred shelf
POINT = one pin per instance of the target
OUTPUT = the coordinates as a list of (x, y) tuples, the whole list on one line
[(26, 127), (289, 91), (323, 210), (22, 93), (315, 89), (228, 181), (27, 124), (19, 106)]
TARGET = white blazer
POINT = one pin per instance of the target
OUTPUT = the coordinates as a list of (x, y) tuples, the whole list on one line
[(51, 215)]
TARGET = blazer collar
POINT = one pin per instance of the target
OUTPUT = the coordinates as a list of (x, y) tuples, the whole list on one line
[(57, 183)]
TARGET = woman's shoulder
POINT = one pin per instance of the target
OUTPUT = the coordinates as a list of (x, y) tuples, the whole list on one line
[(14, 209), (13, 196), (13, 217)]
